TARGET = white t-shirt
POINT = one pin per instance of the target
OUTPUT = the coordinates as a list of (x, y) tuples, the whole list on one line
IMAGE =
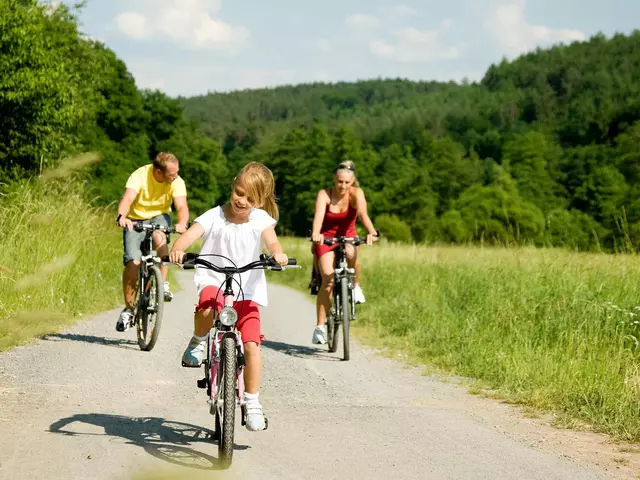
[(241, 243)]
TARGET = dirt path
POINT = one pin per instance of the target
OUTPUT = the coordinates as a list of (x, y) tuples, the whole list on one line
[(88, 404)]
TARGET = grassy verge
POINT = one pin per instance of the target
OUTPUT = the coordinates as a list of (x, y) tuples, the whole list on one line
[(549, 329), (60, 259)]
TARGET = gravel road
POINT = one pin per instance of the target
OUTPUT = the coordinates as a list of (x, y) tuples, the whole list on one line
[(88, 404)]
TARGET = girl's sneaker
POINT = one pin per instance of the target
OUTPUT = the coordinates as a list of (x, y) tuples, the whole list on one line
[(319, 336), (255, 418), (194, 354), (125, 320), (358, 296)]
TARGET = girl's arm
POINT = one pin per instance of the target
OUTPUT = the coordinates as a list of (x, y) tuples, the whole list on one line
[(184, 241), (272, 243), (361, 205), (321, 208)]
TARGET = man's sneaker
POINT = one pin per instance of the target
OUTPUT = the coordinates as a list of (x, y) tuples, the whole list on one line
[(125, 320), (358, 295), (168, 296), (319, 336), (194, 354), (255, 418)]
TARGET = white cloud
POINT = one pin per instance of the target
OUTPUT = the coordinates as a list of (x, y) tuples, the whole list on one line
[(510, 29), (364, 21), (411, 45), (134, 25), (188, 22)]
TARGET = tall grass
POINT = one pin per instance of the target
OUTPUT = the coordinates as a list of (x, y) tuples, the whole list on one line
[(60, 259), (546, 328)]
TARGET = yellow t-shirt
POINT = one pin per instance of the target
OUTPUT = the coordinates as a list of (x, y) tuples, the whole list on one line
[(153, 198)]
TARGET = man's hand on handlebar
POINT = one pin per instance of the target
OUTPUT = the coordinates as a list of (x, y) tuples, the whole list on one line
[(181, 228), (124, 222)]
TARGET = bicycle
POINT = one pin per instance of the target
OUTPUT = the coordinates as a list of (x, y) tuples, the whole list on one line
[(343, 306), (148, 305), (224, 364)]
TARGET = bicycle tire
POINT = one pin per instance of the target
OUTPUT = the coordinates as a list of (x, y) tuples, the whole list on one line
[(229, 369), (147, 340), (346, 313)]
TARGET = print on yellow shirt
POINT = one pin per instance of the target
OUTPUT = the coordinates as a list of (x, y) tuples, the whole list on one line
[(153, 198)]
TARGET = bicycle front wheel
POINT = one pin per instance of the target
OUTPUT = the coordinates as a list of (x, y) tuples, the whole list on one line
[(150, 315), (346, 313), (228, 392)]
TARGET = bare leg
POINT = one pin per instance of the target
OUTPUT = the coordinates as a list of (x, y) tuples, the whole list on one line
[(253, 368), (161, 247), (202, 322), (130, 282), (323, 303)]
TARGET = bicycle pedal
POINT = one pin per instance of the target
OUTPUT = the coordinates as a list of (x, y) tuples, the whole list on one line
[(202, 383), (191, 366), (266, 424)]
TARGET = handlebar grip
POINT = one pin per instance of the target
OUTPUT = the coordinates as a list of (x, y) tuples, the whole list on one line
[(189, 257), (328, 241), (292, 261), (188, 266)]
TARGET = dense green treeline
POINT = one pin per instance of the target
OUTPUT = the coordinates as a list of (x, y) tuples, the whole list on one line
[(545, 149)]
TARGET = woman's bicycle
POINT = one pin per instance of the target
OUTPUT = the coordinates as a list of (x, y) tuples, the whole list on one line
[(148, 305), (224, 364), (343, 306)]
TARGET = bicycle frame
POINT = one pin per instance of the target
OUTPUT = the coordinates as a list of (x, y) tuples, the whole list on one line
[(341, 270)]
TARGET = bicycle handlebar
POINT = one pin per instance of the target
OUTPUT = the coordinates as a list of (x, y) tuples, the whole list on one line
[(141, 227), (191, 260), (356, 241)]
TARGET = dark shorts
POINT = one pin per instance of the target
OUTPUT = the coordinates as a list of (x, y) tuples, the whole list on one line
[(132, 240)]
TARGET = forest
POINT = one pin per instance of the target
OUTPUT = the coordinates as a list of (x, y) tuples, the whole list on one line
[(544, 150)]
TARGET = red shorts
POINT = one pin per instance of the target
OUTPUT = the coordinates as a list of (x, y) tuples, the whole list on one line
[(248, 313)]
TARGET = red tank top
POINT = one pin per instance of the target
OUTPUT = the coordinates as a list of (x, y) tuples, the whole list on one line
[(340, 224)]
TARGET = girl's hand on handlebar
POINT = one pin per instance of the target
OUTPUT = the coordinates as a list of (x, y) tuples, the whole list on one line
[(281, 258), (372, 238), (317, 238), (176, 256)]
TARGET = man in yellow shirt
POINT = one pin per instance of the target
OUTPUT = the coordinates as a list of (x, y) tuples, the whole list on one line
[(147, 198)]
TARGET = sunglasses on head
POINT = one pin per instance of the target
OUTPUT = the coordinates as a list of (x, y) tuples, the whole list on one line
[(344, 166)]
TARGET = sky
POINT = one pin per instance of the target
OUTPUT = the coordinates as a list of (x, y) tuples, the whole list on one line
[(191, 47)]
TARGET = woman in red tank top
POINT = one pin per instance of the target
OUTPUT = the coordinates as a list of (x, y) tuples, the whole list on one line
[(337, 209)]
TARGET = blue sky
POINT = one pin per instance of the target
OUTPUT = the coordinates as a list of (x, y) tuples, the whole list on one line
[(188, 47)]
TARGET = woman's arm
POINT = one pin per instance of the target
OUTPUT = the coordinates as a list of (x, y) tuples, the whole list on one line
[(361, 205), (318, 218)]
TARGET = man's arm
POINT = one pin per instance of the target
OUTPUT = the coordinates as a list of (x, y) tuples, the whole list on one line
[(123, 208), (182, 211)]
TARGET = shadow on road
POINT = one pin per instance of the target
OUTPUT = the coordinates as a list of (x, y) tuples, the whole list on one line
[(75, 337), (164, 439), (300, 351)]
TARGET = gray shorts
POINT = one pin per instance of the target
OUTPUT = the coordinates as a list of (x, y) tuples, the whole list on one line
[(132, 240)]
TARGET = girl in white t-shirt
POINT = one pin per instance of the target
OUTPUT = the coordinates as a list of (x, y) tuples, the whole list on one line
[(236, 230)]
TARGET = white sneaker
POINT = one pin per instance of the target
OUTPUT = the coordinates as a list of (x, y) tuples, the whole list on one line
[(125, 320), (255, 418), (319, 336), (358, 295), (194, 353), (168, 296)]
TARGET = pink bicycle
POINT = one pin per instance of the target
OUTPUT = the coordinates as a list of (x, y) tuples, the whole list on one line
[(224, 365)]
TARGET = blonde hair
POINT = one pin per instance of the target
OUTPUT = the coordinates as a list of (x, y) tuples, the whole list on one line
[(348, 166), (162, 159), (260, 185)]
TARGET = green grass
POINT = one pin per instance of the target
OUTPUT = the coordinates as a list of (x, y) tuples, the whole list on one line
[(60, 259), (548, 329)]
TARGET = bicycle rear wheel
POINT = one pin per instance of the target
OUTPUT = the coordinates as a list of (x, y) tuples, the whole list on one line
[(228, 392), (346, 313), (150, 315)]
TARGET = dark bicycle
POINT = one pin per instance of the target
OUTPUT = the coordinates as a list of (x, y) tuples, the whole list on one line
[(343, 306), (224, 364), (148, 305)]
